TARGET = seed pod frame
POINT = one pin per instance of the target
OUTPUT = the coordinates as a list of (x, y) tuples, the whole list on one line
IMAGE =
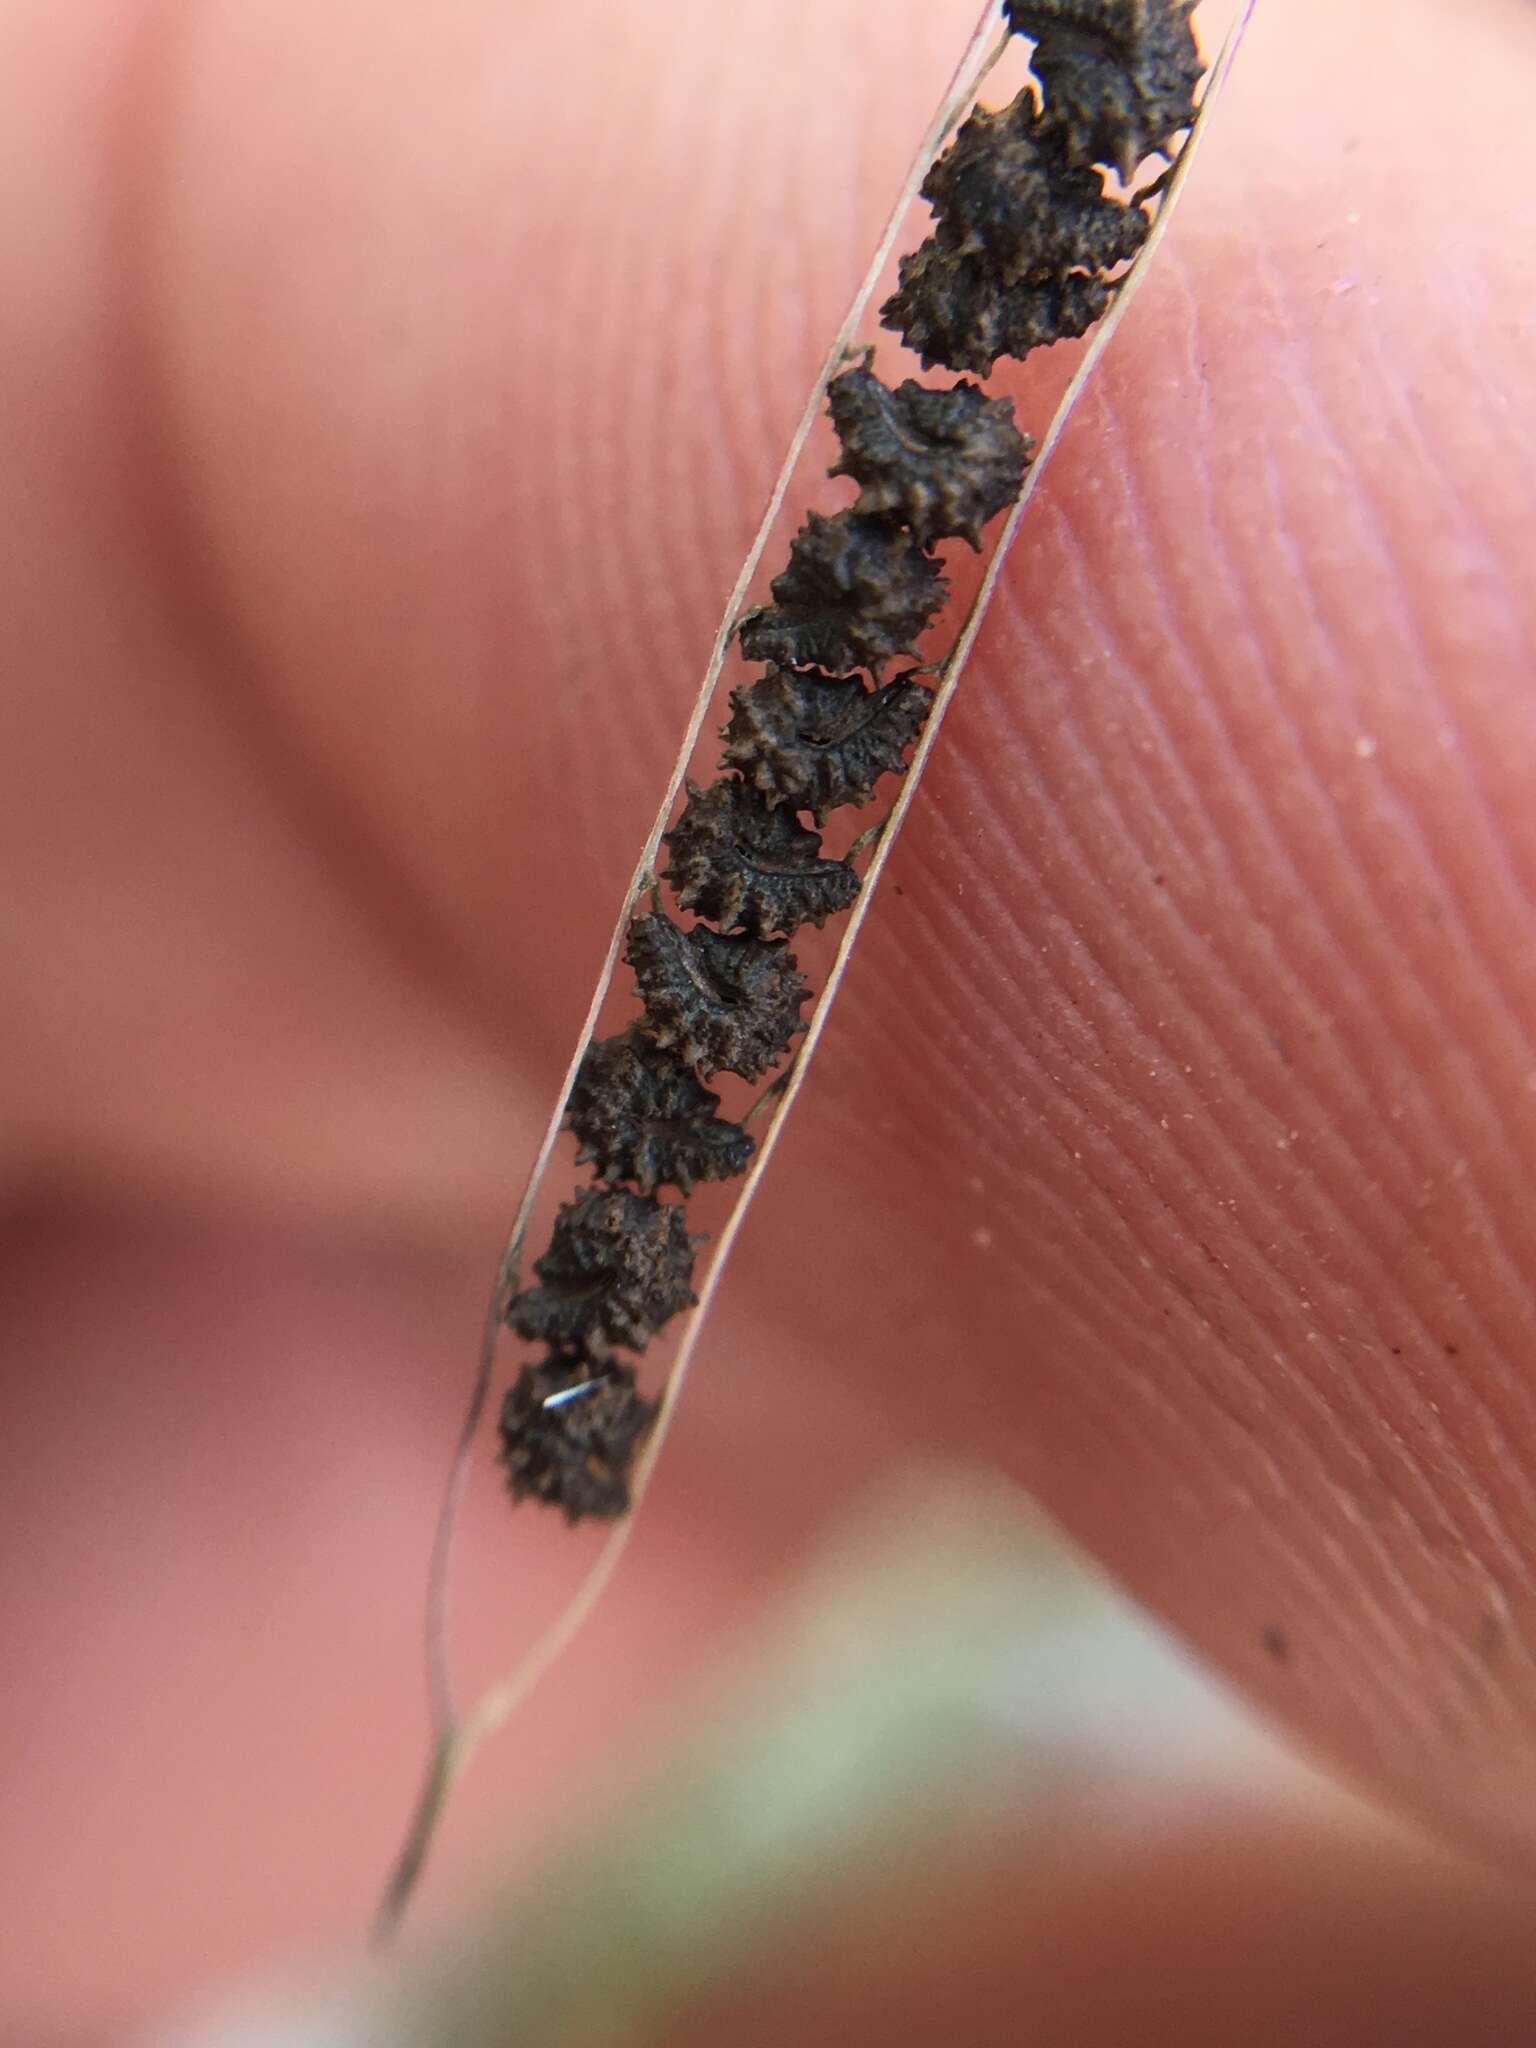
[(455, 1736)]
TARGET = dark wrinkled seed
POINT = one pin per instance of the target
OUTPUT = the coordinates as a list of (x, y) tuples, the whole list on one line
[(748, 867), (817, 742), (618, 1267), (569, 1436), (942, 462), (1118, 76), (857, 591), (641, 1114), (724, 1002)]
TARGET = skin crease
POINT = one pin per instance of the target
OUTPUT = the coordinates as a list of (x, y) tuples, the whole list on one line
[(387, 407)]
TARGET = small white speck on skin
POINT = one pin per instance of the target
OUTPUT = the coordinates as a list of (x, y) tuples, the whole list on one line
[(1365, 747), (982, 1238)]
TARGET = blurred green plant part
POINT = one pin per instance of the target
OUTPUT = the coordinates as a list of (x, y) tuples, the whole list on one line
[(951, 1659)]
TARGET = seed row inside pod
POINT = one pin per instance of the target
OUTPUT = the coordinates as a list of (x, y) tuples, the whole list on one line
[(1029, 239)]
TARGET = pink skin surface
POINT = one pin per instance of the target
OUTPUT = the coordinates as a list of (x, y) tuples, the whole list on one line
[(389, 394)]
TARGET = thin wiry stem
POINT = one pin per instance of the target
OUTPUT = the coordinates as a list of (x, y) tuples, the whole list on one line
[(446, 1755), (765, 1101)]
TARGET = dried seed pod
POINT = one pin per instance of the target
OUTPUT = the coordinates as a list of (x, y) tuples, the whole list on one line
[(1005, 191), (724, 1002), (641, 1114), (570, 1431), (812, 742), (1118, 76), (952, 310), (617, 1268), (942, 462), (747, 867), (857, 590)]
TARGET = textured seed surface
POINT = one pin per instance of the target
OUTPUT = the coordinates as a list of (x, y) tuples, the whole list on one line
[(569, 1434), (857, 591), (1118, 76), (952, 310), (1024, 237), (941, 462), (641, 1114), (815, 742), (618, 1267), (1006, 190), (748, 866), (724, 1002)]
